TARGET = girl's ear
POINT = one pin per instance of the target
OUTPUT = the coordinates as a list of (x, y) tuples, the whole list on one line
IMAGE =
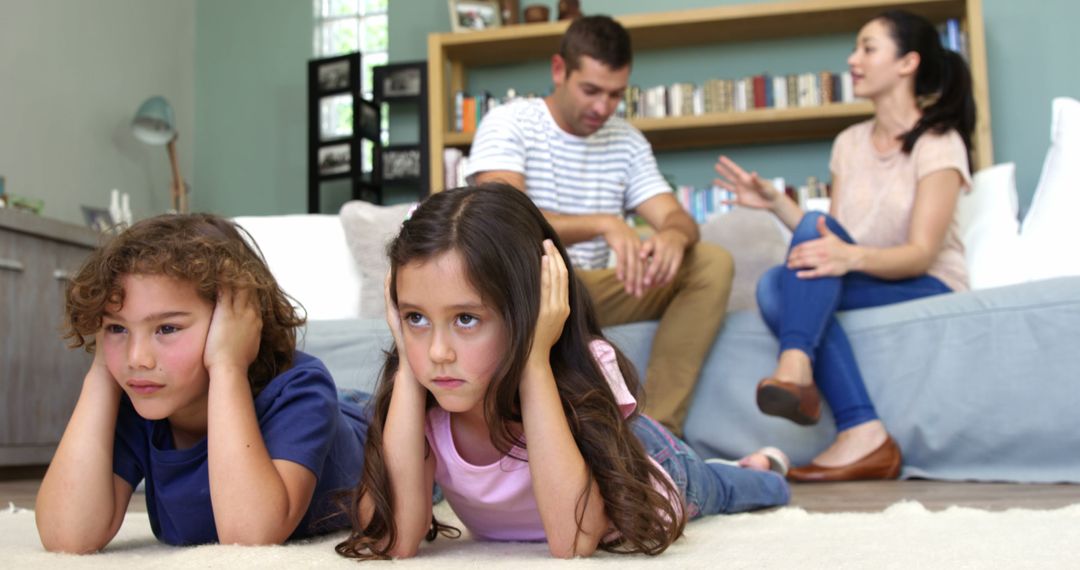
[(909, 63)]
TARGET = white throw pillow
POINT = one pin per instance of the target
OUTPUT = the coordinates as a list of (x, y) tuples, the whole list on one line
[(368, 229), (989, 228), (308, 257), (1050, 234)]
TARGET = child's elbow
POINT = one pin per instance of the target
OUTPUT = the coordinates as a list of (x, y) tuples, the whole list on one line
[(252, 536), (404, 551), (584, 548), (72, 544)]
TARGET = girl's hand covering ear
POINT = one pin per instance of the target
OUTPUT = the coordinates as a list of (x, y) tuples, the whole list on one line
[(554, 300)]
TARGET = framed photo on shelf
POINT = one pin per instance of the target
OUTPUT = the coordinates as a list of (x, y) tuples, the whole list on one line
[(369, 119), (400, 164), (334, 75), (469, 15), (335, 159), (403, 82)]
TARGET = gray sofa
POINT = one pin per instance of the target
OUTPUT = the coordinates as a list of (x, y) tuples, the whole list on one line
[(980, 385)]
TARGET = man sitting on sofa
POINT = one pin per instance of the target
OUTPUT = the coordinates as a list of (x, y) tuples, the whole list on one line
[(586, 169)]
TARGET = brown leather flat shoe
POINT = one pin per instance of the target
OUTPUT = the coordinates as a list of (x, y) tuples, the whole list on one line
[(800, 404), (882, 463)]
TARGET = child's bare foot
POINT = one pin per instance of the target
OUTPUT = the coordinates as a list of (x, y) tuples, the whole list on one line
[(767, 459)]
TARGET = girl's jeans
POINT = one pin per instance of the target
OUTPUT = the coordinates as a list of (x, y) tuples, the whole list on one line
[(709, 488), (800, 312)]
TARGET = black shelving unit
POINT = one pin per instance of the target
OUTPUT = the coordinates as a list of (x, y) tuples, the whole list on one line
[(340, 158), (403, 167)]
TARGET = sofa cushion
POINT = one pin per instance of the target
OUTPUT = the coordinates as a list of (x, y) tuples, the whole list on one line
[(1050, 234), (756, 241), (308, 257), (368, 229), (979, 385), (990, 229)]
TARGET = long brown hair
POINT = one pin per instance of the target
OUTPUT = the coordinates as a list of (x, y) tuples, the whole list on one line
[(943, 78), (498, 232), (205, 250)]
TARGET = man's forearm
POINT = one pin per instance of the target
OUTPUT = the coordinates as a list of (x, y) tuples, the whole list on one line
[(578, 228), (682, 223)]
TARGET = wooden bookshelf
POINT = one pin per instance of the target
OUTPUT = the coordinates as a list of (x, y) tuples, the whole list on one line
[(451, 55)]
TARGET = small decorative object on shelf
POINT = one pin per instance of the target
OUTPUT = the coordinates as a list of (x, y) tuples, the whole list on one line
[(509, 12), (569, 9), (98, 219), (537, 13), (469, 15)]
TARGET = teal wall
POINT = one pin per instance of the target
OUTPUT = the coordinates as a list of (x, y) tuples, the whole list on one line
[(251, 99), (251, 103), (72, 75)]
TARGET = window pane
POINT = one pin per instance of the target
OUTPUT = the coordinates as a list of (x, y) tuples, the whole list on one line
[(367, 62), (343, 8), (335, 117), (374, 34), (368, 149), (374, 6)]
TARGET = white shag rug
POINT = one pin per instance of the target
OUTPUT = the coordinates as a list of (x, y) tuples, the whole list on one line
[(906, 535)]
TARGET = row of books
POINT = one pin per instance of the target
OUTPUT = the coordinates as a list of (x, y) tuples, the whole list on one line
[(454, 163), (762, 91), (954, 38), (704, 203)]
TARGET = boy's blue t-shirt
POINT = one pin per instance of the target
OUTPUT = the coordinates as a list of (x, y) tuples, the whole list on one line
[(301, 420)]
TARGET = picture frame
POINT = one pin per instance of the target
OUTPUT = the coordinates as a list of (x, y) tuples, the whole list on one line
[(403, 163), (403, 82), (335, 159), (335, 75), (369, 119), (98, 219), (472, 15)]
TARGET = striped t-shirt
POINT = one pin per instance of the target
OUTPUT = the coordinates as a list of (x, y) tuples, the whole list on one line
[(611, 171)]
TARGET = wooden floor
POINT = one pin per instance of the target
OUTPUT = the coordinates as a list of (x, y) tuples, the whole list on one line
[(20, 487)]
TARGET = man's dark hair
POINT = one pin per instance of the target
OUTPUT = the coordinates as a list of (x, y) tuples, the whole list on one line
[(599, 37)]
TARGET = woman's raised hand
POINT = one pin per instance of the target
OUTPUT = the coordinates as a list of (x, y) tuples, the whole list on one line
[(749, 189), (554, 301)]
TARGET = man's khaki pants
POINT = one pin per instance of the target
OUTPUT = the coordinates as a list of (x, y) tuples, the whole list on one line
[(691, 310)]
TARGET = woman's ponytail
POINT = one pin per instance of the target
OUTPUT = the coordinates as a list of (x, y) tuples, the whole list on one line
[(943, 79)]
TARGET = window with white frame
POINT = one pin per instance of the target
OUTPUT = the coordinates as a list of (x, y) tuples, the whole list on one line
[(346, 26)]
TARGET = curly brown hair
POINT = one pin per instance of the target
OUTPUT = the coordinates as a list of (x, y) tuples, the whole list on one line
[(203, 249), (498, 231)]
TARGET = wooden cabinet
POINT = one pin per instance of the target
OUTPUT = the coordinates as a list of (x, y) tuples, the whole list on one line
[(40, 377), (450, 56)]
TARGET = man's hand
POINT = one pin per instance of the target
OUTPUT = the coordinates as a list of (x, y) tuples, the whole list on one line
[(629, 265), (662, 255)]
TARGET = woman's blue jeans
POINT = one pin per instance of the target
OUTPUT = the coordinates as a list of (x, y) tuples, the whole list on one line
[(800, 312), (709, 488)]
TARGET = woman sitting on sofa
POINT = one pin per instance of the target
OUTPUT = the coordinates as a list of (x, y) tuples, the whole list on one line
[(889, 236)]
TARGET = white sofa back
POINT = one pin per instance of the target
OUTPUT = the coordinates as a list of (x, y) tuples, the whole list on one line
[(309, 257)]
